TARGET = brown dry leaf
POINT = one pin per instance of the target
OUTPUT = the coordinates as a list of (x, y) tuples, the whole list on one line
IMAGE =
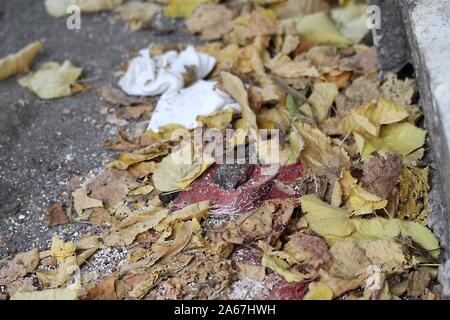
[(265, 223), (400, 91), (414, 197), (285, 67), (385, 252), (13, 271), (234, 86), (100, 217), (182, 238), (323, 96), (254, 272), (138, 14), (340, 286), (57, 277), (211, 21), (82, 201), (112, 186), (295, 8), (19, 62), (419, 281), (126, 236), (104, 289), (381, 174), (318, 150), (350, 260), (311, 249), (56, 215), (226, 56)]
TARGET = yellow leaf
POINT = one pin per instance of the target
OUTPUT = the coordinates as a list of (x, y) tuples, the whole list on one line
[(81, 201), (220, 120), (319, 28), (182, 8), (403, 138), (144, 190), (318, 150), (279, 266), (322, 98), (61, 250), (70, 293), (52, 80), (254, 272), (328, 221), (180, 168), (234, 86), (370, 117), (318, 291), (385, 252), (198, 211), (19, 62), (125, 160), (364, 202), (58, 8), (414, 198), (351, 21), (296, 145)]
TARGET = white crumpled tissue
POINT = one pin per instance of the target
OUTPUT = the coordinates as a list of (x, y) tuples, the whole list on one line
[(184, 106), (163, 75), (152, 76)]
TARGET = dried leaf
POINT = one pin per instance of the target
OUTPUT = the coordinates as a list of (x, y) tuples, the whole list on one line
[(414, 197), (61, 250), (52, 80), (282, 268), (403, 138), (104, 289), (82, 201), (19, 62), (127, 235), (319, 28), (70, 293), (58, 8), (254, 272), (138, 14), (211, 21), (180, 168), (318, 291), (56, 215), (234, 86), (318, 150), (183, 8), (381, 174), (322, 98), (328, 221)]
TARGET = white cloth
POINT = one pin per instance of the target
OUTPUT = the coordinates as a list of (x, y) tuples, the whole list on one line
[(151, 76)]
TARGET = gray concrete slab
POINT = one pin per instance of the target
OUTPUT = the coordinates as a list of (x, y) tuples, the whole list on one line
[(427, 24)]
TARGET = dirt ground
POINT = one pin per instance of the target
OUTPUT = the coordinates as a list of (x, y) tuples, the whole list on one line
[(44, 144)]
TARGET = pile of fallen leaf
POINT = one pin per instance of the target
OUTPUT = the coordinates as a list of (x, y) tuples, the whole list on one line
[(343, 217)]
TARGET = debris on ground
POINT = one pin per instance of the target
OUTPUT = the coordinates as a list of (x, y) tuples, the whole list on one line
[(341, 214)]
